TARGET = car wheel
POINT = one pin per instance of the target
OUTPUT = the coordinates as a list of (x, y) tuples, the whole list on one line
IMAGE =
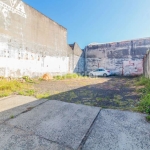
[(104, 75)]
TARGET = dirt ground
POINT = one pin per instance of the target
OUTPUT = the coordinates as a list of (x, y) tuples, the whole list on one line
[(112, 92)]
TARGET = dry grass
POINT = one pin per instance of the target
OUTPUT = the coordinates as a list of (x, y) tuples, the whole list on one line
[(15, 87)]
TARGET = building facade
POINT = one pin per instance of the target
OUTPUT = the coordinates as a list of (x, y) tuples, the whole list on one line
[(122, 58), (31, 43)]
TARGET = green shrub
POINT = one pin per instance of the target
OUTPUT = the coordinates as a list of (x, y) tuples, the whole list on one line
[(143, 81), (148, 118), (28, 79), (67, 76), (144, 105), (58, 77)]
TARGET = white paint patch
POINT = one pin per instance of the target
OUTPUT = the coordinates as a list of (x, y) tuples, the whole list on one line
[(5, 13), (17, 8), (133, 67), (17, 63), (56, 64)]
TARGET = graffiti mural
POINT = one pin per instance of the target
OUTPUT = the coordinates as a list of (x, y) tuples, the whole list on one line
[(15, 6)]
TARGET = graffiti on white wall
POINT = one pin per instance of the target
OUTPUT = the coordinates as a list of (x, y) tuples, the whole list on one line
[(15, 6), (133, 67)]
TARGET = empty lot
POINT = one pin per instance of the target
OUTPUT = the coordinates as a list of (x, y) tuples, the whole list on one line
[(112, 92)]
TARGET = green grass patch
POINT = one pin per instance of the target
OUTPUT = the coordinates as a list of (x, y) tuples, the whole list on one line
[(28, 79), (67, 76), (144, 104), (148, 118), (15, 87), (99, 99), (42, 95), (143, 81), (12, 116), (30, 92)]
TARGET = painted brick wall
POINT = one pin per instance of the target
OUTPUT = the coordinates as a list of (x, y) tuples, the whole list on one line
[(30, 43), (120, 57)]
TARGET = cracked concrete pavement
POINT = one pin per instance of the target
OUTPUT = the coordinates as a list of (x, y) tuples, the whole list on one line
[(30, 124)]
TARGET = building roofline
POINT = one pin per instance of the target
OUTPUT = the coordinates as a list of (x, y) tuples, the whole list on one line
[(118, 41), (44, 15)]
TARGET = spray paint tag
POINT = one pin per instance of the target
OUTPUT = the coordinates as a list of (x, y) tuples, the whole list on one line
[(13, 2), (15, 7)]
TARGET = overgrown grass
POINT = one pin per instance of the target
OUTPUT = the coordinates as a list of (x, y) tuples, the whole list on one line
[(148, 118), (42, 95), (143, 81), (67, 76), (28, 79), (15, 87), (144, 105)]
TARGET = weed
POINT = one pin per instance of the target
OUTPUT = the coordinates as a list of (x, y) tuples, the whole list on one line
[(29, 92), (14, 86), (148, 118), (28, 79), (118, 97), (42, 95), (68, 76), (99, 99), (78, 102), (144, 104), (127, 84), (88, 103), (5, 93), (12, 116)]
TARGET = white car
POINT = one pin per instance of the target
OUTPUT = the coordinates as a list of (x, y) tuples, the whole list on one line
[(100, 72)]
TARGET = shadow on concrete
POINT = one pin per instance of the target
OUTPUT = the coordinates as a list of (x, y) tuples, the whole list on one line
[(110, 94)]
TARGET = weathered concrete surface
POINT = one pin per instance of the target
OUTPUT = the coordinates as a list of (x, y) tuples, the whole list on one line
[(123, 58), (64, 123), (33, 44), (16, 139), (77, 59), (56, 125), (15, 105), (119, 130), (146, 64), (30, 43)]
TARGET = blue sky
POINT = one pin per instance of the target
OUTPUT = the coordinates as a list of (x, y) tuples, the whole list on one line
[(99, 21)]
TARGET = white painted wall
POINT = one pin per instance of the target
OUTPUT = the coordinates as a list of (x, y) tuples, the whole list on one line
[(18, 63)]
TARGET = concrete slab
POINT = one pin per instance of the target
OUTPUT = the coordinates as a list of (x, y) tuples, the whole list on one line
[(119, 130), (15, 105), (64, 123), (15, 139)]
